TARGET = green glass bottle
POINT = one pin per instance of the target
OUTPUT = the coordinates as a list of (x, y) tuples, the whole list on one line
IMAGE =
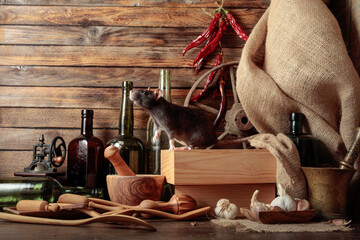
[(154, 148), (307, 145), (12, 190), (131, 149)]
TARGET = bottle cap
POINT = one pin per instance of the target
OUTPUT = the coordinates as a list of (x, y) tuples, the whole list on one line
[(87, 113), (296, 116)]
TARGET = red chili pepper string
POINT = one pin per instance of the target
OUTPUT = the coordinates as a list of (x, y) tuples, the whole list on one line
[(223, 104), (205, 35), (211, 77), (214, 43)]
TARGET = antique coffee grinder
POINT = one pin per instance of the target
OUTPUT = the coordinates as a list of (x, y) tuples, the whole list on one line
[(46, 158)]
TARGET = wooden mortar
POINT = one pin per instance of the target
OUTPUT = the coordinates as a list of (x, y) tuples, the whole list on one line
[(132, 190)]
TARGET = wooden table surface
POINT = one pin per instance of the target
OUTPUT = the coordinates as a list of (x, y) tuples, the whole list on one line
[(202, 229)]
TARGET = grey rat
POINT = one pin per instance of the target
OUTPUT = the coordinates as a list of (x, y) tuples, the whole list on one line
[(184, 124)]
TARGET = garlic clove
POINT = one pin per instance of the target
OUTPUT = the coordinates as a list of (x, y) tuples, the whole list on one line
[(302, 204), (257, 206)]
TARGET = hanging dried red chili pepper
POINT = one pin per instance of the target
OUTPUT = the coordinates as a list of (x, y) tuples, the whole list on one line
[(200, 62), (218, 61), (223, 104), (205, 35), (214, 43), (239, 31)]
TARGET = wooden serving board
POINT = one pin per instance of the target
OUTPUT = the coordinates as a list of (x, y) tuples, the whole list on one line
[(273, 217), (47, 214)]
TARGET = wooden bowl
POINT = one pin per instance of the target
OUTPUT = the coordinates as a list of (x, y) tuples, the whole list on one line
[(132, 190)]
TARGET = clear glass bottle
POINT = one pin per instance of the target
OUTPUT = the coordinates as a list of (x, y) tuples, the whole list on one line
[(86, 164), (12, 190), (154, 149), (131, 149), (307, 145)]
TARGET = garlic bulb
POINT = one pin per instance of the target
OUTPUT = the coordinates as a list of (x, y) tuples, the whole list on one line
[(284, 201), (225, 209), (257, 206)]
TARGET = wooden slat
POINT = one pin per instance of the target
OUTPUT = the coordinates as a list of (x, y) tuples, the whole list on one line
[(64, 118), (133, 3), (102, 56), (118, 16), (218, 166), (73, 97), (25, 138), (109, 77), (108, 36), (60, 97)]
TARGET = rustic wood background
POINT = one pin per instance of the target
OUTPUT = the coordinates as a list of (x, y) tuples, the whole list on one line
[(60, 56)]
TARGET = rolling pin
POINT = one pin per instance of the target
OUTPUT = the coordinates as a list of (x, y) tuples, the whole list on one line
[(41, 205), (112, 153), (36, 205)]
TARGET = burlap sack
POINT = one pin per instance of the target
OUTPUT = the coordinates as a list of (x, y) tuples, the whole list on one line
[(296, 61)]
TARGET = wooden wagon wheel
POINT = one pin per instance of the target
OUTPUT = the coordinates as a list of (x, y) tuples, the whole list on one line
[(236, 121)]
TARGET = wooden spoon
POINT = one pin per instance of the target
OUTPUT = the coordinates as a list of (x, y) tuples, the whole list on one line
[(185, 216), (50, 221)]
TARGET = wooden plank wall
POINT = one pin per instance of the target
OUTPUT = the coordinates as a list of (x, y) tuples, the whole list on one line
[(60, 56)]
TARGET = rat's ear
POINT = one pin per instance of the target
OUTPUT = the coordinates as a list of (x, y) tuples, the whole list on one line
[(158, 93)]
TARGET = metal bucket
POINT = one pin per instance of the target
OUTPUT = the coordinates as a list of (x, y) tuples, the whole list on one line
[(327, 190)]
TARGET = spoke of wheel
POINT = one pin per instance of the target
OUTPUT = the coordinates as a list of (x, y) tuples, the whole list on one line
[(205, 107)]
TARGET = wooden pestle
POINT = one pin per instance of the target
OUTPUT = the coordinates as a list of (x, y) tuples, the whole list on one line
[(112, 153), (36, 205)]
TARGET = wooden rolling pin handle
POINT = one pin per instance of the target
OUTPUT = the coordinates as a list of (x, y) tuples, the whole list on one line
[(36, 205), (112, 153), (72, 198)]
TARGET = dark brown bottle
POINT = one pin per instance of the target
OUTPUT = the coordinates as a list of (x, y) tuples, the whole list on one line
[(307, 145), (86, 156)]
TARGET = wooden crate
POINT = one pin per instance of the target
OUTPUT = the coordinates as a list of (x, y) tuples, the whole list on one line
[(209, 175)]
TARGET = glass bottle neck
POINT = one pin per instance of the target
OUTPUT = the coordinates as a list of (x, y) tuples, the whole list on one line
[(87, 126), (164, 83), (296, 123), (126, 122)]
